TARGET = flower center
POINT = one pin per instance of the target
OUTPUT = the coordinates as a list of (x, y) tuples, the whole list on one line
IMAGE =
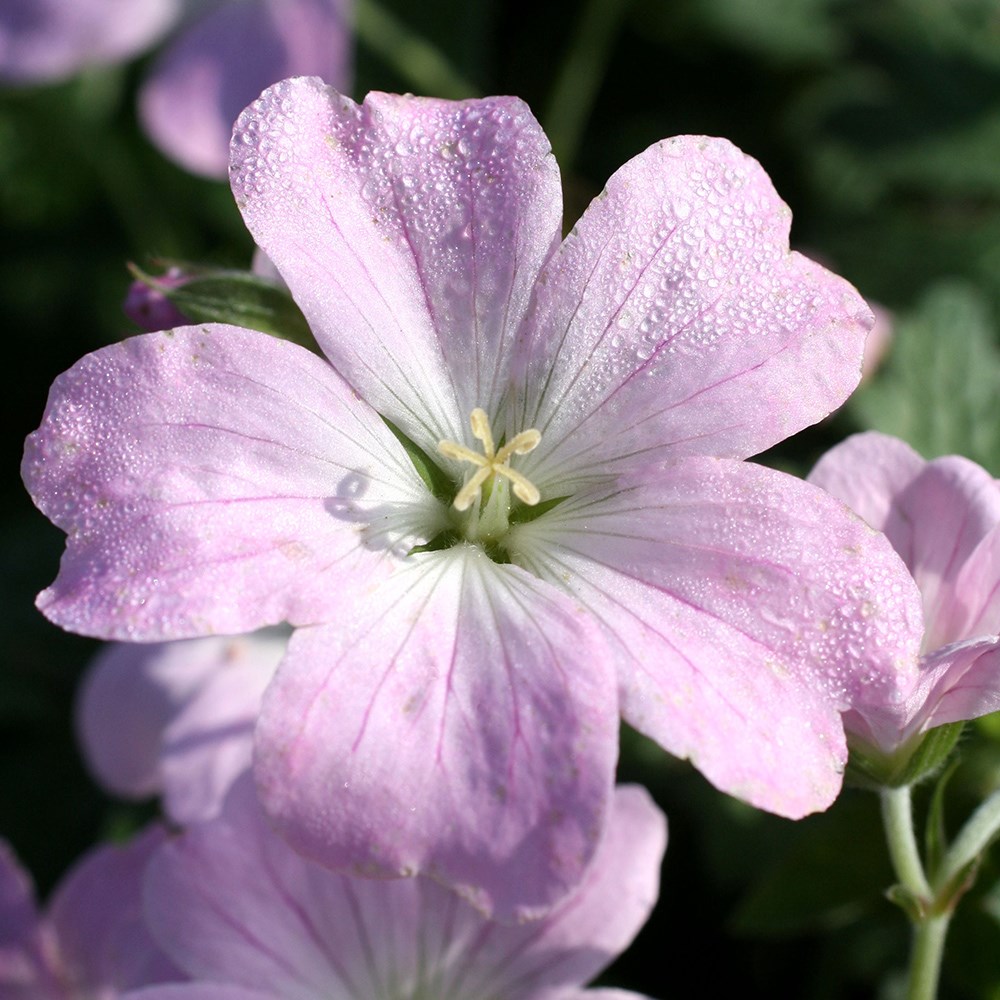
[(493, 476)]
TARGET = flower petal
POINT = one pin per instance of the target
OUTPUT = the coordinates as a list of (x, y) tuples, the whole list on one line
[(208, 743), (42, 40), (957, 682), (127, 697), (939, 516), (461, 722), (747, 609), (104, 944), (868, 472), (197, 991), (26, 971), (230, 901), (674, 321), (976, 590), (222, 62), (175, 717), (952, 506), (410, 232), (608, 994), (233, 903), (212, 479)]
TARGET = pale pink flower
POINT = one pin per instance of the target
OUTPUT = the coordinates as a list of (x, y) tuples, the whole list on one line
[(92, 940), (175, 718), (223, 56), (245, 916), (42, 40), (450, 701), (943, 518)]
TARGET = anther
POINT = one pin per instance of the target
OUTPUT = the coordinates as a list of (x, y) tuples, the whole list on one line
[(492, 462)]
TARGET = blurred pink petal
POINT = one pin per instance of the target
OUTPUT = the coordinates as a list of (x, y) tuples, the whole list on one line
[(92, 941), (225, 59), (43, 40), (233, 905), (175, 718), (879, 340)]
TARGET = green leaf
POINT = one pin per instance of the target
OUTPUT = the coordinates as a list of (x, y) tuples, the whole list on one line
[(939, 388), (835, 867)]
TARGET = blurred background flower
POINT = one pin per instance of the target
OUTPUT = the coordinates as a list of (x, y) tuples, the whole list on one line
[(221, 56)]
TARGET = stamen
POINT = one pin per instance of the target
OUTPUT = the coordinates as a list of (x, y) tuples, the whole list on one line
[(492, 462)]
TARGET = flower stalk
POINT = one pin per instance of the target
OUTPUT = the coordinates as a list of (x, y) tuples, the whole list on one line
[(929, 899)]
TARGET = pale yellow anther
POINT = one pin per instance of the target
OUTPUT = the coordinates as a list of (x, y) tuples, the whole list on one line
[(492, 462)]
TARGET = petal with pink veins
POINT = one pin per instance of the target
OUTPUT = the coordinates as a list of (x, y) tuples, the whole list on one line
[(674, 320), (746, 609), (213, 479), (410, 232), (462, 696)]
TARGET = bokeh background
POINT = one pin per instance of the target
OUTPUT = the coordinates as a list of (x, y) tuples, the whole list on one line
[(879, 122)]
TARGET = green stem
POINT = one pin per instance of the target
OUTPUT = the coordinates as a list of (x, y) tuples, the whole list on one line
[(897, 817), (980, 828), (925, 960), (580, 77)]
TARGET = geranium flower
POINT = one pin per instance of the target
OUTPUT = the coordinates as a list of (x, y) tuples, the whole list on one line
[(92, 940), (943, 518), (175, 718), (223, 57), (450, 701), (245, 916)]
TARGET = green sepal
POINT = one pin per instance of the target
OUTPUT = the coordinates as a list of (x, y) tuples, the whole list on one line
[(434, 477), (931, 752), (237, 297), (522, 513), (910, 764), (442, 540), (935, 835)]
